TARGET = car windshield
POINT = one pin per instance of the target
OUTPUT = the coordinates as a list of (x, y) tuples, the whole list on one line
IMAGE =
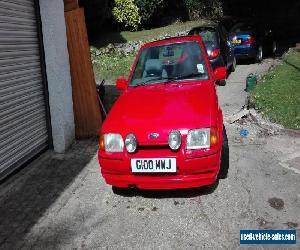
[(209, 35), (169, 62)]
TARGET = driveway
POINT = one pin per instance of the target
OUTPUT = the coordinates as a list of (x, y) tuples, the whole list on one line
[(61, 201)]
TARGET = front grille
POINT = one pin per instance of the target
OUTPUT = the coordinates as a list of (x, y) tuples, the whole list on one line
[(154, 147), (158, 151)]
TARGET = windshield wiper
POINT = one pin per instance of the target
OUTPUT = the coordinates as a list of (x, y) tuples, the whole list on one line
[(144, 82), (139, 84), (187, 76), (182, 77), (168, 79)]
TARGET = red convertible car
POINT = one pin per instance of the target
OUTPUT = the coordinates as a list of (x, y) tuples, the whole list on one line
[(166, 130)]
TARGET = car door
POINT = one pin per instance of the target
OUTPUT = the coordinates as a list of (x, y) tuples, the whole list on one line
[(229, 44), (226, 46)]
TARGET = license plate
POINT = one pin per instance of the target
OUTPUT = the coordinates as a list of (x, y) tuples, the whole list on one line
[(237, 41), (153, 165)]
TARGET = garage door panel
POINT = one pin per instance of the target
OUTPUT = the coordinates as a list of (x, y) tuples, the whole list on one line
[(12, 67), (17, 74), (16, 85), (18, 122), (18, 40), (24, 92), (17, 14), (28, 3), (5, 25), (10, 48), (18, 21), (24, 150), (26, 137), (17, 33), (21, 131), (22, 100), (17, 8), (23, 115), (19, 60), (19, 112), (11, 54)]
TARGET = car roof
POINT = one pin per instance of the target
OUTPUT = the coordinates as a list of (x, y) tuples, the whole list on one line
[(171, 40), (249, 25), (209, 26)]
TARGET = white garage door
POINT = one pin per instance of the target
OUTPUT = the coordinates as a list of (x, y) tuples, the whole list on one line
[(23, 116)]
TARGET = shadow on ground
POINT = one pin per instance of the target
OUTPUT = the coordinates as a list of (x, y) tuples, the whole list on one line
[(292, 65), (162, 194), (26, 196)]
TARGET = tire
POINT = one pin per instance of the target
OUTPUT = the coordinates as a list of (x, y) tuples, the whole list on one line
[(233, 66), (224, 166), (121, 191), (274, 47), (221, 83), (259, 55)]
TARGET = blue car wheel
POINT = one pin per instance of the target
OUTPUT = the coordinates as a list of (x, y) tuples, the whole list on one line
[(259, 55)]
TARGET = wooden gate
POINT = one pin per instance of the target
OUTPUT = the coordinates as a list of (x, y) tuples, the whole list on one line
[(85, 100)]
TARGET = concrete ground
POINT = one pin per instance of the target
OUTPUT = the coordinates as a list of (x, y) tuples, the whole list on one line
[(61, 201)]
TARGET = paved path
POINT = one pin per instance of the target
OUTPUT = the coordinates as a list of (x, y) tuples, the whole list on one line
[(61, 201)]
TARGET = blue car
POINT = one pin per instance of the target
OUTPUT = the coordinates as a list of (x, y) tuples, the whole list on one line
[(252, 42)]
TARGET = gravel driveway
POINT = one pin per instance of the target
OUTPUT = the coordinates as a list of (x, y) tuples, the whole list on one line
[(61, 201)]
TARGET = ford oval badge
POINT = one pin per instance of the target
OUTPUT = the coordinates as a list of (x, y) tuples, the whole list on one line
[(153, 135)]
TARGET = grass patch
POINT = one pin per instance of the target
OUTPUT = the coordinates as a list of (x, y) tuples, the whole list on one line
[(278, 94), (111, 66), (145, 35)]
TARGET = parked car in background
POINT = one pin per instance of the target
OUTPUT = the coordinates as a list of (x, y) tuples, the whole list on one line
[(219, 49), (252, 41), (166, 131)]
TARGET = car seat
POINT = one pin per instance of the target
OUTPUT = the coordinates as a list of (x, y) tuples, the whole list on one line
[(154, 69)]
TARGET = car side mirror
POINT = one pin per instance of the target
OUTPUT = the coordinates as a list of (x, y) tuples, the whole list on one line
[(220, 73), (121, 83)]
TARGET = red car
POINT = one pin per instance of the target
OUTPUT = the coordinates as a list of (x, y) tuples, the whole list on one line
[(166, 130)]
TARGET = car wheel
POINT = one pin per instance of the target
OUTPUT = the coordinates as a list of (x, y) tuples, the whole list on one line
[(233, 66), (224, 166), (221, 83), (274, 47), (121, 191), (259, 55)]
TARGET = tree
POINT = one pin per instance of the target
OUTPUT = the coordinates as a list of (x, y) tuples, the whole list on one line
[(127, 13)]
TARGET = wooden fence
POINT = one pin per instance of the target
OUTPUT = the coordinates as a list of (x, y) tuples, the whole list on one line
[(85, 100)]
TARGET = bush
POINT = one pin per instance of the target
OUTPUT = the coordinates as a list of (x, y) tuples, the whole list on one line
[(203, 8), (148, 8), (127, 13)]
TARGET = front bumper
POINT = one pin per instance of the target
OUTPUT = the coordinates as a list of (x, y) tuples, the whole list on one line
[(195, 172)]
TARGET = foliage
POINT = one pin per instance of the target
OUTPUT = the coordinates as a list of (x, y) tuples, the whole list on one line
[(109, 63), (203, 8), (110, 66), (278, 95), (127, 13), (156, 33), (148, 8)]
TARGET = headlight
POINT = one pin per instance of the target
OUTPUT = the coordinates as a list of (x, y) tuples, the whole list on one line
[(130, 143), (174, 139), (198, 139), (113, 142)]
